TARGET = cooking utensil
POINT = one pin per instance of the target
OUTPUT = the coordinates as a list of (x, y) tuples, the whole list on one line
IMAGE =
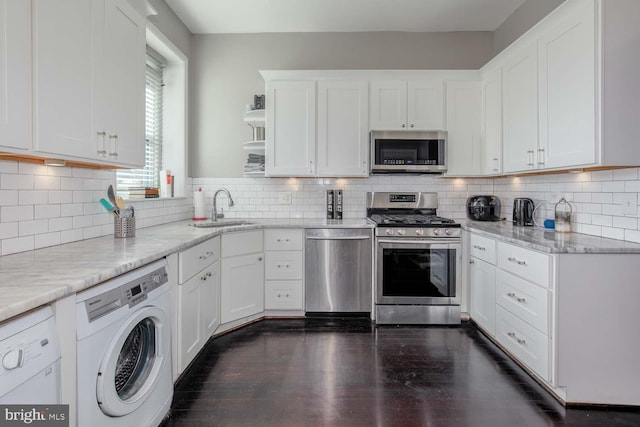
[(112, 195), (106, 205), (120, 202)]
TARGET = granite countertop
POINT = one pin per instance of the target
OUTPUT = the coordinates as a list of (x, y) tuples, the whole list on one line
[(31, 279), (550, 241)]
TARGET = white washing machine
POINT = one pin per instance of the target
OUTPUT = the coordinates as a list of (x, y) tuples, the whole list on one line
[(124, 350), (30, 360)]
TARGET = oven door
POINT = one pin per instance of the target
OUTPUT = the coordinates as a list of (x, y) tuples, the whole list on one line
[(418, 271)]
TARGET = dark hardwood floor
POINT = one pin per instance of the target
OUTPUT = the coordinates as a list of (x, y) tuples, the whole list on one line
[(348, 372)]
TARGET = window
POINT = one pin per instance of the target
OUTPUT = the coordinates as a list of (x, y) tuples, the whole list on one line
[(149, 176)]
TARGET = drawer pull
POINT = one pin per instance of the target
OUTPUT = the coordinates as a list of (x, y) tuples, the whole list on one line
[(515, 337), (515, 297), (480, 248), (206, 255), (517, 261)]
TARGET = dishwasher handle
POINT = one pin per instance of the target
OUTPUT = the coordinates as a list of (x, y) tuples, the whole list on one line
[(338, 238)]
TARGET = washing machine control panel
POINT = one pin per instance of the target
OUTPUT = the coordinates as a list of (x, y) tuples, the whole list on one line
[(129, 294)]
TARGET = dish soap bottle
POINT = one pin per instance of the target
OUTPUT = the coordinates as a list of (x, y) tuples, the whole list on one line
[(563, 212)]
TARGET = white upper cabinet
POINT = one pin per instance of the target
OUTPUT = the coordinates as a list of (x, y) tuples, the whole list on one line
[(464, 143), (124, 83), (413, 105), (570, 89), (291, 128), (15, 74), (567, 90), (520, 107), (491, 121), (89, 80), (343, 132)]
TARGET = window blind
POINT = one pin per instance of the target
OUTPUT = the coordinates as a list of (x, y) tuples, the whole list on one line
[(149, 176)]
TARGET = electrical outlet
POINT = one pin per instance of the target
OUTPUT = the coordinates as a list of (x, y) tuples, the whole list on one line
[(629, 202), (284, 198)]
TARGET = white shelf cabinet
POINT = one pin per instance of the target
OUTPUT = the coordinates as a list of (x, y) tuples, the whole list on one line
[(291, 128), (343, 129), (89, 81), (465, 155), (15, 75), (242, 272), (408, 105)]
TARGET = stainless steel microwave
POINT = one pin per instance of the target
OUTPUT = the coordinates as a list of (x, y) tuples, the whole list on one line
[(408, 152)]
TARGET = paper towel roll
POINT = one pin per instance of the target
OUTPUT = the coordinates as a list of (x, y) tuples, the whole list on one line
[(199, 211)]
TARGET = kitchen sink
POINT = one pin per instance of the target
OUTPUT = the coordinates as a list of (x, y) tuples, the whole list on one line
[(218, 224)]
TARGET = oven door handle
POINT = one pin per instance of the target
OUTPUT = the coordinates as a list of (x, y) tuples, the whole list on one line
[(431, 243), (338, 238)]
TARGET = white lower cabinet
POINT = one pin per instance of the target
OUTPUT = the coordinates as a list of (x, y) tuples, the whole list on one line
[(198, 300), (284, 269), (242, 273), (283, 295), (529, 345), (483, 302)]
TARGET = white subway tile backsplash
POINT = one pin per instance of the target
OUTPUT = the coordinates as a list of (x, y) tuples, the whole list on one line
[(31, 169), (33, 197), (47, 239), (625, 174), (625, 222), (16, 213), (28, 228), (45, 182), (59, 224), (8, 230), (47, 211), (16, 182), (18, 244), (8, 197), (8, 167)]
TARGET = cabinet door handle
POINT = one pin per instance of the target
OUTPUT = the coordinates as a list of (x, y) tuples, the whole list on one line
[(114, 145), (530, 156), (102, 134), (480, 248), (259, 258), (516, 297), (206, 255), (517, 261), (404, 126), (497, 164), (515, 337), (411, 125), (540, 156), (471, 261)]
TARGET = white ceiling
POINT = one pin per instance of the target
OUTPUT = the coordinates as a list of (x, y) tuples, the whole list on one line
[(265, 16)]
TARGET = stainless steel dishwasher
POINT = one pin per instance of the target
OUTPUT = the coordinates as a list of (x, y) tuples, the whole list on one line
[(338, 270)]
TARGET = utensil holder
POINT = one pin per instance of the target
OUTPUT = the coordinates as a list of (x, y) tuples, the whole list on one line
[(124, 227)]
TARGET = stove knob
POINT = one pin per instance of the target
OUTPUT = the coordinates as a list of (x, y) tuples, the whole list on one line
[(401, 232), (419, 231), (389, 232), (437, 231), (448, 232)]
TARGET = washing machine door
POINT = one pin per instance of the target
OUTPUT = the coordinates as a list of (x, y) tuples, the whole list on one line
[(133, 362)]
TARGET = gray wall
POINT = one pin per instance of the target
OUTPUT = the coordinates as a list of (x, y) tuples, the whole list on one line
[(525, 17), (224, 76), (171, 26)]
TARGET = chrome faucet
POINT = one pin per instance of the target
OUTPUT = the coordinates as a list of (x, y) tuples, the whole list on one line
[(215, 215)]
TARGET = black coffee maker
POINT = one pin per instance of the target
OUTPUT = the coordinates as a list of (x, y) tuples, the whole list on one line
[(523, 212)]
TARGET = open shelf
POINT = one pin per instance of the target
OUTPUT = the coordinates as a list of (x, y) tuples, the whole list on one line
[(254, 174), (254, 116), (254, 146)]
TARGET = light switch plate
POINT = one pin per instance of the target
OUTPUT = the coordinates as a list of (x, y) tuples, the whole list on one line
[(629, 202), (284, 198)]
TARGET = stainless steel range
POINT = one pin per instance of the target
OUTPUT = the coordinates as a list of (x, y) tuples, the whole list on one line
[(417, 262)]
